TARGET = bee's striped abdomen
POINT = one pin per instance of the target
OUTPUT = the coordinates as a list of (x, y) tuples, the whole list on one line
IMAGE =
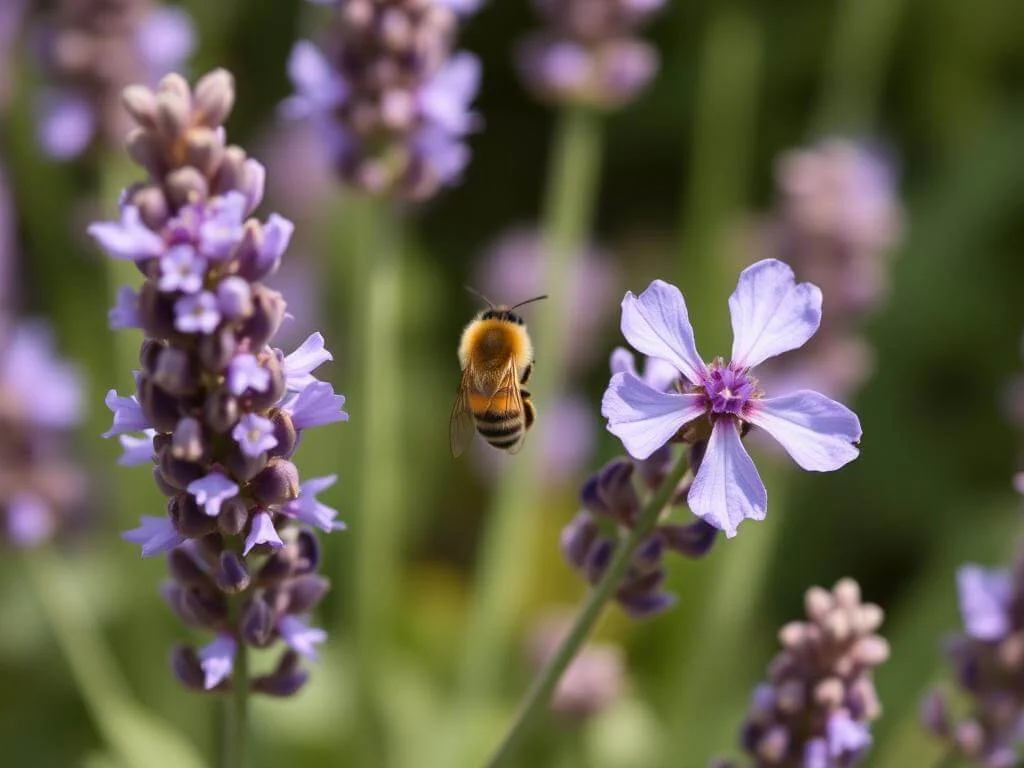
[(497, 420)]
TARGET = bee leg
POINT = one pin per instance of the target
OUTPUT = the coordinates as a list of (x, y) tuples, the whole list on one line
[(525, 377), (529, 412)]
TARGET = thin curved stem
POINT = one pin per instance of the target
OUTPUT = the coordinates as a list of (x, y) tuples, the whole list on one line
[(540, 691)]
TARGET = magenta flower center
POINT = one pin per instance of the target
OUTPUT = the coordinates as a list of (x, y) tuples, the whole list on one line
[(729, 389)]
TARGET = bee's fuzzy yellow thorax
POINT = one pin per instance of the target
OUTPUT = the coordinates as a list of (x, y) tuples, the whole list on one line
[(490, 343)]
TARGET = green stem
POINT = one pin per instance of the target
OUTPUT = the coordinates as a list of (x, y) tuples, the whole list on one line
[(544, 684), (861, 50), (236, 720), (132, 733), (572, 189), (377, 545)]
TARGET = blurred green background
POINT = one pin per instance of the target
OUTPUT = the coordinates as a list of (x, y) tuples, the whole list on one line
[(939, 82)]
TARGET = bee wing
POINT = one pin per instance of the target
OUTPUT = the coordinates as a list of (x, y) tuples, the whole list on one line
[(461, 425), (510, 384)]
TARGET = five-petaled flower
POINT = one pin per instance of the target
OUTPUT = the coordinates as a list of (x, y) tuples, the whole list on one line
[(771, 314)]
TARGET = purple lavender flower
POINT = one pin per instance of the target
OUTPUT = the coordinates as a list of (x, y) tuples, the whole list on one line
[(988, 662), (587, 54), (221, 411), (91, 50), (41, 491), (816, 707), (838, 221), (389, 100), (771, 314)]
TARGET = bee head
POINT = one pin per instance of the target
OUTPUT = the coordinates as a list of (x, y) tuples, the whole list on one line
[(503, 314)]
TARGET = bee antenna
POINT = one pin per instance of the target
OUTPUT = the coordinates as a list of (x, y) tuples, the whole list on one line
[(529, 301), (477, 293)]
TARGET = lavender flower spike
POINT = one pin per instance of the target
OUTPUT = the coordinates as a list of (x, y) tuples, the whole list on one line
[(771, 314), (218, 418), (815, 709)]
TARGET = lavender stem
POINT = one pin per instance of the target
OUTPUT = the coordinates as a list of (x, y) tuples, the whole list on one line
[(542, 687), (236, 722)]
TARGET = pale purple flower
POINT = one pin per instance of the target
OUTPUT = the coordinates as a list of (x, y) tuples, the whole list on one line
[(156, 535), (254, 434), (217, 660), (212, 490), (300, 364), (245, 372), (846, 736), (48, 390), (125, 313), (262, 531), (128, 238), (128, 415), (221, 230), (301, 637), (319, 89), (165, 39), (29, 521), (197, 313), (277, 234), (67, 123), (316, 405), (771, 314), (446, 97), (984, 601), (308, 509), (181, 269), (234, 297), (137, 450)]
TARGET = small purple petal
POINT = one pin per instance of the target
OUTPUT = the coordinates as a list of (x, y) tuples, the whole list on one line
[(984, 601), (461, 7), (727, 489), (128, 415), (137, 450), (771, 312), (244, 373), (307, 509), (49, 390), (212, 490), (300, 364), (563, 66), (125, 313), (846, 737), (319, 88), (128, 238), (29, 521), (197, 313), (67, 124), (317, 405), (156, 535), (222, 230), (816, 754), (277, 233), (262, 531), (181, 269), (299, 636), (657, 324), (217, 660), (234, 297), (445, 98), (445, 154), (256, 184), (643, 418), (165, 39), (254, 435), (816, 431)]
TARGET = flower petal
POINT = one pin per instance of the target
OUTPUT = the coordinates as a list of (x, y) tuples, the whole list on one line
[(643, 418), (727, 489), (657, 324), (984, 601), (771, 312), (817, 432)]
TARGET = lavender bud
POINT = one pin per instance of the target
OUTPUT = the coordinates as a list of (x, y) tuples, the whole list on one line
[(233, 517), (214, 98), (185, 570), (177, 473), (140, 103), (267, 316), (221, 411), (187, 442), (160, 406), (286, 679), (257, 622), (217, 349), (188, 519), (305, 592), (285, 433), (276, 484), (232, 575), (187, 669), (176, 372)]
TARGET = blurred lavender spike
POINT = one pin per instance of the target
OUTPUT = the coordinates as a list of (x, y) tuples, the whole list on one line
[(389, 99), (221, 411), (815, 709), (987, 660), (91, 50), (587, 52)]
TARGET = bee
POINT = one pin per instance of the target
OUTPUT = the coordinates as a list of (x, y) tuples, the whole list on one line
[(496, 357)]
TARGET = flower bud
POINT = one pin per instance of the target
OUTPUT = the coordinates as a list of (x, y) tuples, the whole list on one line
[(257, 622), (214, 97), (286, 679), (188, 519), (140, 103), (187, 442), (221, 411), (305, 592), (177, 473), (232, 576), (233, 517), (187, 668), (185, 570), (159, 405), (285, 433), (267, 316), (176, 372), (276, 484), (217, 349)]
